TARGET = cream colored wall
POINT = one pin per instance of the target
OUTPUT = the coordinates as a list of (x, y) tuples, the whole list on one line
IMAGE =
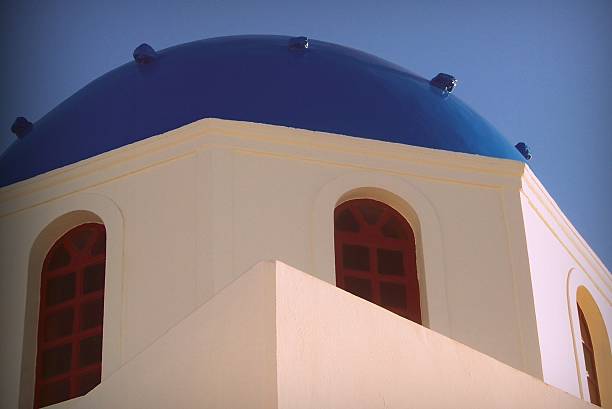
[(478, 277), (194, 206), (470, 278), (560, 263)]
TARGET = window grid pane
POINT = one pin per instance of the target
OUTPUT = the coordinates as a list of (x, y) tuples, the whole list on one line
[(54, 392), (59, 324), (376, 260), (71, 315), (60, 289)]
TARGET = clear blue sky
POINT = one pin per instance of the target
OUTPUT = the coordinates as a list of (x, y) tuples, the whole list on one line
[(538, 70)]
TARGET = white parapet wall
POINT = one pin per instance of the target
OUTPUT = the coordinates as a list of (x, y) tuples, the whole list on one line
[(280, 338), (220, 356)]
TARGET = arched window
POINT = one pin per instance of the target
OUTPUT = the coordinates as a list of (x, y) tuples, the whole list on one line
[(376, 256), (69, 352), (589, 359)]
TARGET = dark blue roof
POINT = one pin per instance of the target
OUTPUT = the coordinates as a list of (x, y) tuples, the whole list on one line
[(325, 87)]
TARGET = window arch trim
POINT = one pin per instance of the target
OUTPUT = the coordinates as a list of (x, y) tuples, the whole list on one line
[(583, 289), (434, 300), (47, 223)]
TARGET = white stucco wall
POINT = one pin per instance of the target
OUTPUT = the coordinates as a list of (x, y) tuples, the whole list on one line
[(193, 206), (561, 262)]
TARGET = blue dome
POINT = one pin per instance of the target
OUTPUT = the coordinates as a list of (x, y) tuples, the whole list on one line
[(325, 87)]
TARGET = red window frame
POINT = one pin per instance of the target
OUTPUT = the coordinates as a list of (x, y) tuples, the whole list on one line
[(375, 248), (70, 320), (589, 359)]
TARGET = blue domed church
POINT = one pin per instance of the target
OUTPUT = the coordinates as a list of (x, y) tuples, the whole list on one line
[(281, 222)]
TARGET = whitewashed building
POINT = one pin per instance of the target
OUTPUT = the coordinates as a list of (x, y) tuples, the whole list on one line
[(175, 233)]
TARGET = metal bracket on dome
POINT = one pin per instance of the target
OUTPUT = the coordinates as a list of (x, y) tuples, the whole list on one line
[(298, 43), (21, 127), (523, 149), (445, 82), (144, 54)]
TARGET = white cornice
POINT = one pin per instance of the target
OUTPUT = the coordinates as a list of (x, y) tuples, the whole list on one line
[(262, 139), (549, 212)]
